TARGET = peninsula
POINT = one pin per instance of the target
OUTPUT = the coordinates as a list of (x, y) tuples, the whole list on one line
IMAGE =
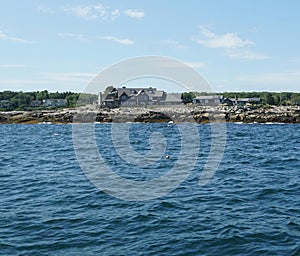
[(148, 105)]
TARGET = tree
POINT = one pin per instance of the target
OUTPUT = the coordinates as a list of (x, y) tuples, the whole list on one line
[(295, 99), (72, 100), (187, 97), (269, 99), (43, 95), (57, 95), (7, 95)]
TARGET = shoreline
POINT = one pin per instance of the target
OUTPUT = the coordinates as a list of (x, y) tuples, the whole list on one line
[(152, 114)]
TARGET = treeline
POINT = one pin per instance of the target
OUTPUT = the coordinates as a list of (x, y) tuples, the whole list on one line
[(268, 98), (11, 100)]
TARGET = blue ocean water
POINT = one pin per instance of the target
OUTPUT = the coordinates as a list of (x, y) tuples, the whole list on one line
[(251, 206)]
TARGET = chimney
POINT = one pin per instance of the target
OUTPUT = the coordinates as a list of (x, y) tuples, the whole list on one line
[(100, 99)]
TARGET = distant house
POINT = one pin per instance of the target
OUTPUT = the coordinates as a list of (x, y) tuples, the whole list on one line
[(54, 102), (208, 100), (244, 101), (227, 101), (35, 103)]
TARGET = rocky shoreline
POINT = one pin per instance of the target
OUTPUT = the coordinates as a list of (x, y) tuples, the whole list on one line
[(176, 114)]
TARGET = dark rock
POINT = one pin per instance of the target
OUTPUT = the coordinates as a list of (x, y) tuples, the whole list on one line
[(3, 119), (152, 117)]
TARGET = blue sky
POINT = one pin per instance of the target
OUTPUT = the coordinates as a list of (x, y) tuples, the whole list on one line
[(236, 45)]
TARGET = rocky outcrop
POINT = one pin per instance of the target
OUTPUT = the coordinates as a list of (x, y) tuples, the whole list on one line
[(177, 114), (33, 117), (265, 115), (152, 117)]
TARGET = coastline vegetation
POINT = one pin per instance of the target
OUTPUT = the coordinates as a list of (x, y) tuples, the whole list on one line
[(39, 100)]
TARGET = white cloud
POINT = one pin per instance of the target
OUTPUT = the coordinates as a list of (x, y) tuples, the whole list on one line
[(135, 13), (4, 36), (118, 40), (73, 35), (174, 44), (246, 55), (228, 40), (235, 47), (93, 12)]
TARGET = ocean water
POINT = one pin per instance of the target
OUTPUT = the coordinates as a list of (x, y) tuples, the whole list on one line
[(251, 206)]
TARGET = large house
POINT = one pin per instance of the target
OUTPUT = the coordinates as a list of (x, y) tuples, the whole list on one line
[(137, 97)]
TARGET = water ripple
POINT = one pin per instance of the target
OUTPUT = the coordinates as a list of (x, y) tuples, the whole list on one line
[(250, 207)]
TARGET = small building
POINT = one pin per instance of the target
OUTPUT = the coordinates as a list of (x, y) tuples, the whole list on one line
[(240, 101), (54, 102), (35, 103), (244, 101), (208, 100), (227, 101)]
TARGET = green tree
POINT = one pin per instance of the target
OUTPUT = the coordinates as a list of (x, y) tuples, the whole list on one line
[(187, 97), (43, 95), (295, 99), (72, 100), (269, 99), (7, 95)]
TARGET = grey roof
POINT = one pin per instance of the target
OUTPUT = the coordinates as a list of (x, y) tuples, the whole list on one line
[(173, 97), (157, 94), (208, 97), (130, 91), (254, 99), (245, 99)]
